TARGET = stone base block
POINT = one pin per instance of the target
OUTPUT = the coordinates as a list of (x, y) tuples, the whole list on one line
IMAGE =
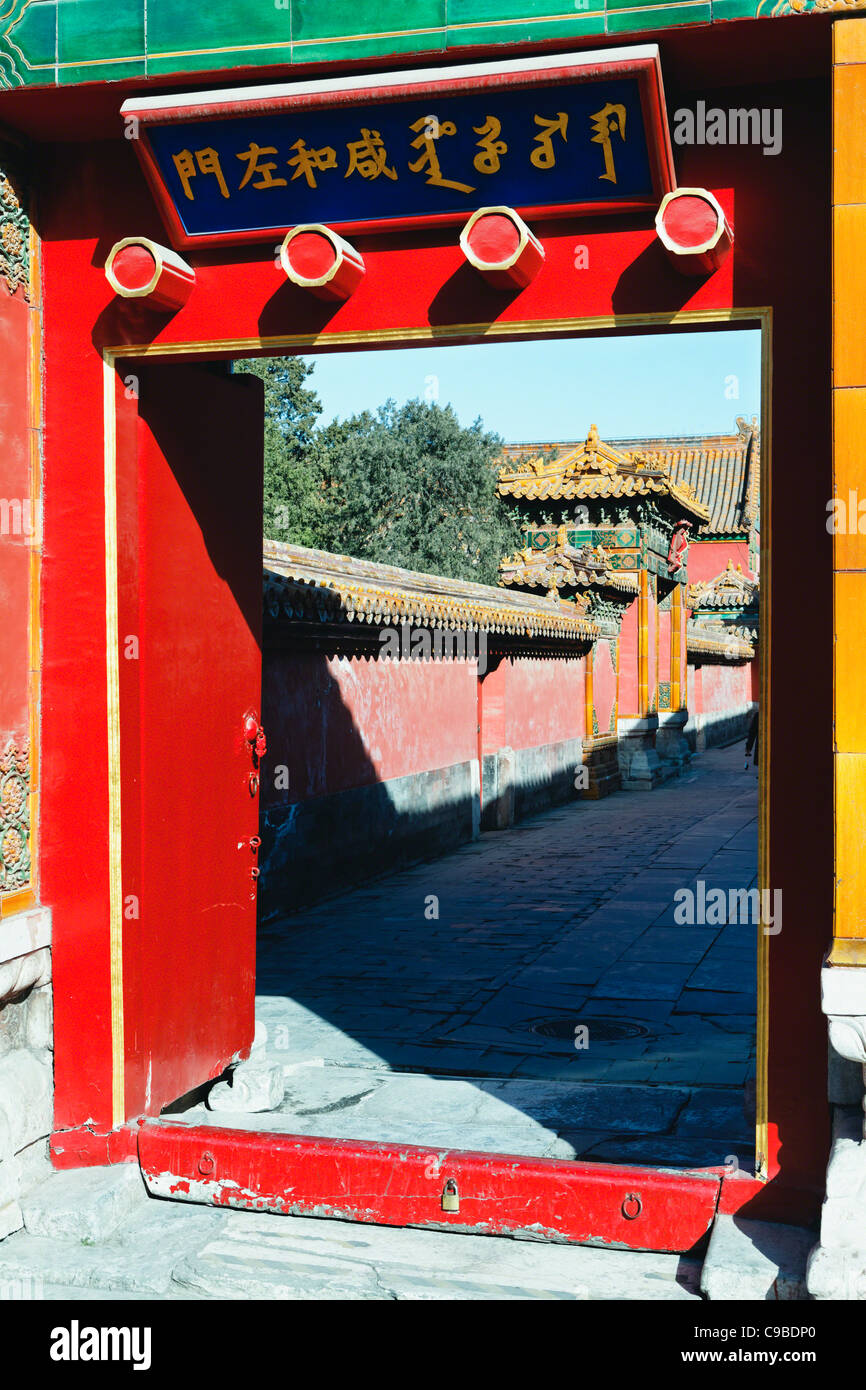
[(641, 767), (755, 1261), (837, 1274), (84, 1204), (11, 1219), (671, 743), (26, 1110), (252, 1090)]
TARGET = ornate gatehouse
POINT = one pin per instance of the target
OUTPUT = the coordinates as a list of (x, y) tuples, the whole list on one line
[(246, 181), (640, 514)]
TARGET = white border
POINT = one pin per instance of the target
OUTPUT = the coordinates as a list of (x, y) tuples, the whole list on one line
[(417, 77), (676, 247)]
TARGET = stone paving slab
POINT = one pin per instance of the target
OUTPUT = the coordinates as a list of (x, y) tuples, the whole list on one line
[(568, 917), (492, 1116), (707, 1003), (669, 944), (671, 1151), (143, 1266)]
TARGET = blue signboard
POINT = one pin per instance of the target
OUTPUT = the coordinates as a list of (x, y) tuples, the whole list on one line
[(565, 145)]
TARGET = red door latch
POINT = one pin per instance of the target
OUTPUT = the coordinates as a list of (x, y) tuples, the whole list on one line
[(255, 735)]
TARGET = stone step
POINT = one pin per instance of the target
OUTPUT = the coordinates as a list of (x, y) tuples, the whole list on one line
[(258, 1256), (167, 1250)]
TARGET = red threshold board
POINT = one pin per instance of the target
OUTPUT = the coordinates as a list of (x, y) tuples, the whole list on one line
[(402, 1185)]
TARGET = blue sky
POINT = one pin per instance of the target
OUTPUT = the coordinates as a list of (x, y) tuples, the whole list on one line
[(671, 383)]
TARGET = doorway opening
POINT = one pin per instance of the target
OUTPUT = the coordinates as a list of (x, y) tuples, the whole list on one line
[(509, 892)]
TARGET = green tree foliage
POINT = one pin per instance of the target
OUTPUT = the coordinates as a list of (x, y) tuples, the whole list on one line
[(292, 409), (410, 486), (406, 485)]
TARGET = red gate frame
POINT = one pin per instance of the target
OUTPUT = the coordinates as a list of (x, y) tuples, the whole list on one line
[(417, 291)]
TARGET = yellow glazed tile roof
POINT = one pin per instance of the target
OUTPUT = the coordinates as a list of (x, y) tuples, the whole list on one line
[(595, 469), (304, 585), (565, 567), (704, 640), (722, 471), (730, 589)]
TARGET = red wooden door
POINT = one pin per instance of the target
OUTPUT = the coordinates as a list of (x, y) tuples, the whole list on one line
[(190, 592)]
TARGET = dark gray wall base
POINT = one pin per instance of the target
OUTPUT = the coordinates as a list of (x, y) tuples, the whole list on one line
[(545, 776), (714, 730), (518, 782), (315, 849), (497, 790)]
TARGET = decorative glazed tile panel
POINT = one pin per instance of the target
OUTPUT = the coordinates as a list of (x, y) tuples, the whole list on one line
[(14, 224), (43, 42), (14, 816)]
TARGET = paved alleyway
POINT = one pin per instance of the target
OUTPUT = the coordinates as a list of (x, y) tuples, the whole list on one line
[(390, 1024), (553, 1007)]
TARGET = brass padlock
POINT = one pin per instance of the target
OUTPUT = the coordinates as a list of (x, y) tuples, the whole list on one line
[(450, 1196)]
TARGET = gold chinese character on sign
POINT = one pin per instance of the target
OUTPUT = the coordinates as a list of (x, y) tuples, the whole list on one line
[(490, 146), (264, 168), (205, 161), (428, 159), (610, 120), (368, 157), (544, 156), (310, 162)]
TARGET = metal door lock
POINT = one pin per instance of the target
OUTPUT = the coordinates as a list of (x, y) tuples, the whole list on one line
[(450, 1196)]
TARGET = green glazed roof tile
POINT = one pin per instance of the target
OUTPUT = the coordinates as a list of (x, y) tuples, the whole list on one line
[(45, 42)]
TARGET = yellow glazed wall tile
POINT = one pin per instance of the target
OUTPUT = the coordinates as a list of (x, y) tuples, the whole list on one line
[(849, 134), (847, 951), (849, 41), (849, 478), (849, 295), (850, 875), (849, 603)]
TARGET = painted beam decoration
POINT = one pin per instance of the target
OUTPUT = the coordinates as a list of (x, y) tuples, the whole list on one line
[(548, 137)]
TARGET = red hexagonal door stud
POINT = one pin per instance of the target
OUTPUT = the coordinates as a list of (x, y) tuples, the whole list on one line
[(692, 227), (138, 268), (500, 245), (321, 261)]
